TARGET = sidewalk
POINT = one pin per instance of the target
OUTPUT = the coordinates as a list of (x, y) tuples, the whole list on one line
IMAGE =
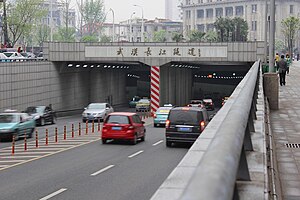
[(285, 124)]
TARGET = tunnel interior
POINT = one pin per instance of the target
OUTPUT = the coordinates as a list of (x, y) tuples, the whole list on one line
[(179, 81)]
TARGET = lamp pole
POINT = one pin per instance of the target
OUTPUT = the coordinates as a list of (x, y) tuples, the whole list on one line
[(113, 13), (272, 36), (266, 32), (51, 23), (142, 32), (130, 27)]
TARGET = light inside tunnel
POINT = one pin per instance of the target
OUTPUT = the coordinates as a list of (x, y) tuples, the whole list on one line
[(70, 65)]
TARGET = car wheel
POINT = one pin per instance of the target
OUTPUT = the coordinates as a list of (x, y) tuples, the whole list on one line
[(155, 125), (134, 141), (104, 141), (53, 120), (143, 138), (42, 122), (30, 133), (168, 143)]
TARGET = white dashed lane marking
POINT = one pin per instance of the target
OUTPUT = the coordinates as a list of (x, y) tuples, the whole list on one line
[(157, 143), (102, 170), (54, 194), (135, 154)]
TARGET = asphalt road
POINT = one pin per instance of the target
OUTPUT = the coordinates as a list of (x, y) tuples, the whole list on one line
[(114, 171), (132, 171)]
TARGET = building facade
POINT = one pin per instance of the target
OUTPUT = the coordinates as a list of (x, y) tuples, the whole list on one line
[(201, 14), (172, 10)]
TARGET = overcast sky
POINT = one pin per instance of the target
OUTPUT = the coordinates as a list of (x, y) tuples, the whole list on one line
[(124, 8)]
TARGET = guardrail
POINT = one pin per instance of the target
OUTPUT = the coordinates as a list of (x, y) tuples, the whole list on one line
[(217, 159), (5, 60)]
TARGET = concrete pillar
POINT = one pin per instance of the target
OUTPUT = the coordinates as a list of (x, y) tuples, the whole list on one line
[(271, 89)]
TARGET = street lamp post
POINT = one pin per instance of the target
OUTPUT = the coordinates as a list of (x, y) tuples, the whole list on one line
[(51, 23), (113, 13), (142, 37), (272, 36), (266, 32), (130, 27)]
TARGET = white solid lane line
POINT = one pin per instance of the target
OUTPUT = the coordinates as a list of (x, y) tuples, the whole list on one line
[(157, 143), (135, 154), (102, 170), (54, 194)]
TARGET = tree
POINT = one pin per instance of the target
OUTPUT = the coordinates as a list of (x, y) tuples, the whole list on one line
[(280, 46), (21, 17), (220, 25), (92, 15), (290, 26), (240, 31), (196, 36), (42, 34), (160, 36), (105, 38), (211, 36), (89, 38), (65, 35), (177, 37)]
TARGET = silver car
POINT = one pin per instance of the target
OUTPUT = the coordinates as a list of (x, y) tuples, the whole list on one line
[(96, 111)]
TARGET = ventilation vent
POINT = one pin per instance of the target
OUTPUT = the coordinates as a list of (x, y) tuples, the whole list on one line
[(294, 146)]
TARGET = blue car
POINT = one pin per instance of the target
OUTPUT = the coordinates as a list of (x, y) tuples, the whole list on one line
[(16, 124), (161, 115)]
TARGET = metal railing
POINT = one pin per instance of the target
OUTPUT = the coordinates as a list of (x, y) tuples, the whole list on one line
[(218, 156)]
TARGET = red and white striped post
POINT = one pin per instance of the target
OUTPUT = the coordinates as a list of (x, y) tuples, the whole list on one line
[(155, 86)]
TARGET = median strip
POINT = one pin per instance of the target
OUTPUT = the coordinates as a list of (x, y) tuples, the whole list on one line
[(102, 170), (54, 194)]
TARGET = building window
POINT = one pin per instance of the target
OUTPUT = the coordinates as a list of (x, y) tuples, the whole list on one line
[(200, 13), (254, 26), (201, 27), (219, 12), (200, 1), (291, 9), (229, 11), (239, 10), (210, 27), (188, 2), (209, 13), (254, 8), (188, 14)]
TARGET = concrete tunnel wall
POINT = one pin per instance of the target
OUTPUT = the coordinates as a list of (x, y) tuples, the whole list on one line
[(24, 84), (175, 85)]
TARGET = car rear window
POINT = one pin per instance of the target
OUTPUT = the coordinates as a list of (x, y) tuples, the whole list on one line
[(185, 117), (117, 119)]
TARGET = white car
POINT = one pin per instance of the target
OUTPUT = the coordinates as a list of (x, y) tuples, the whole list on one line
[(14, 55), (96, 112)]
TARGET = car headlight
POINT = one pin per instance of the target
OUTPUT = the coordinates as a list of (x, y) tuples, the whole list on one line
[(37, 117), (5, 130)]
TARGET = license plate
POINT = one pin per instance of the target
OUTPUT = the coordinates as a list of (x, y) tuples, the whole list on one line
[(185, 129), (117, 128)]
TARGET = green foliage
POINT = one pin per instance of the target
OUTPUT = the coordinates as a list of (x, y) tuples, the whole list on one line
[(160, 36), (89, 38), (21, 16), (290, 27), (228, 29), (93, 15), (196, 36), (211, 36), (65, 35), (177, 37), (280, 46), (105, 38), (42, 34)]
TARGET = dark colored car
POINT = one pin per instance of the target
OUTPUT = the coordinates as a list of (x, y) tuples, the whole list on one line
[(185, 124), (123, 126), (42, 114), (133, 101), (209, 104)]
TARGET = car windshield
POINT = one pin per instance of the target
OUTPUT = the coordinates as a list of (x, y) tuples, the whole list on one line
[(8, 54), (163, 110), (117, 119), (37, 109), (6, 118), (185, 117), (135, 99), (196, 101), (96, 106), (144, 101)]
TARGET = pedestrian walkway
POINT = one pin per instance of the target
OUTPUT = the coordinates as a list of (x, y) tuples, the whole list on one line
[(285, 124)]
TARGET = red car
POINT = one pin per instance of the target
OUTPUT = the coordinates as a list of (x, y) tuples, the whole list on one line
[(123, 126)]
